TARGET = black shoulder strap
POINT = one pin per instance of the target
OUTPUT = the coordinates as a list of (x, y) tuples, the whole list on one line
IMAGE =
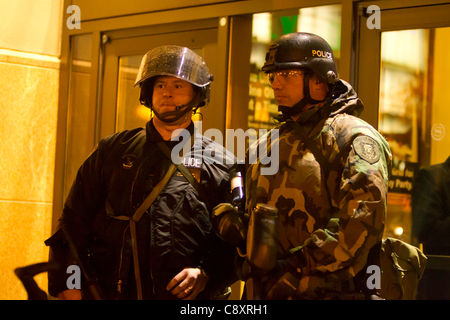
[(135, 218)]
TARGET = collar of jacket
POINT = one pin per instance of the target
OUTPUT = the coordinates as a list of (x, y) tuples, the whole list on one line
[(343, 100), (154, 136)]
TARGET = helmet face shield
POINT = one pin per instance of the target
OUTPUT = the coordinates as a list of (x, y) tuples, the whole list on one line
[(174, 61)]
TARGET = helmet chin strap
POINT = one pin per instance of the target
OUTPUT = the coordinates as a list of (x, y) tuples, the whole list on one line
[(172, 116), (298, 107), (180, 111)]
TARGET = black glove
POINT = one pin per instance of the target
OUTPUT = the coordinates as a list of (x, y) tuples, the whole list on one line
[(230, 225)]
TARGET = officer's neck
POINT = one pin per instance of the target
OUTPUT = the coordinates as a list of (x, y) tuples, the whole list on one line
[(166, 129)]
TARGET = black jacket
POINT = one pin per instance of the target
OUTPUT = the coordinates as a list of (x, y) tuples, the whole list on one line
[(431, 208), (174, 233)]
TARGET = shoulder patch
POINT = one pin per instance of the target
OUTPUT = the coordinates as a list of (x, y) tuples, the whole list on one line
[(367, 149)]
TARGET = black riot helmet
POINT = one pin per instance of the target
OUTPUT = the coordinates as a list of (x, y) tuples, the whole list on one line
[(305, 51), (302, 50), (175, 61)]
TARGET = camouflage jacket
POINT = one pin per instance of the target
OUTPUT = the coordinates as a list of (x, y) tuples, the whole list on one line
[(329, 215)]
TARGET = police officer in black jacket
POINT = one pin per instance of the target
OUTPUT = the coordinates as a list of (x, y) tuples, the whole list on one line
[(179, 255)]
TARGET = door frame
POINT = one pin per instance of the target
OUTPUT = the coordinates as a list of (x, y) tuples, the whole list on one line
[(368, 52)]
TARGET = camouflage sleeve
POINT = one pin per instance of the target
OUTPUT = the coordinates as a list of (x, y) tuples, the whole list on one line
[(357, 184)]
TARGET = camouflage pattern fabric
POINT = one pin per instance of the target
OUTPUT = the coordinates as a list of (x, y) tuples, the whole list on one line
[(330, 217)]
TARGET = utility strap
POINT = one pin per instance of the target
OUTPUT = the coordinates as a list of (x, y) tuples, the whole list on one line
[(165, 149), (136, 217)]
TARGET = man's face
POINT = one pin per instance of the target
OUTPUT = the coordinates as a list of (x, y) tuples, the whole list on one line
[(170, 92), (288, 87)]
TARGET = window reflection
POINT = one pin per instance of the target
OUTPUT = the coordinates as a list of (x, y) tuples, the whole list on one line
[(412, 114), (130, 113), (403, 90)]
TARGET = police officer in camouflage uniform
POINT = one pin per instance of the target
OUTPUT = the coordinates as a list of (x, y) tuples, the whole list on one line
[(331, 186)]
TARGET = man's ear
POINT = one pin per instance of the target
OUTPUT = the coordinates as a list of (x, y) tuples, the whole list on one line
[(318, 89)]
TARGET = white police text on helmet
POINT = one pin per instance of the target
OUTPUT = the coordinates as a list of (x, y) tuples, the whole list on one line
[(322, 54)]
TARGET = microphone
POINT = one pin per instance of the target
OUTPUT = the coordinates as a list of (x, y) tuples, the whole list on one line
[(182, 106)]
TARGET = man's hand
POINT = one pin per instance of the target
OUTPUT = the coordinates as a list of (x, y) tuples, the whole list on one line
[(188, 284), (73, 294)]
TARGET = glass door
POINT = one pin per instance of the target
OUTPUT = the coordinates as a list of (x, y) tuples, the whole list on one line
[(120, 107), (401, 79)]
